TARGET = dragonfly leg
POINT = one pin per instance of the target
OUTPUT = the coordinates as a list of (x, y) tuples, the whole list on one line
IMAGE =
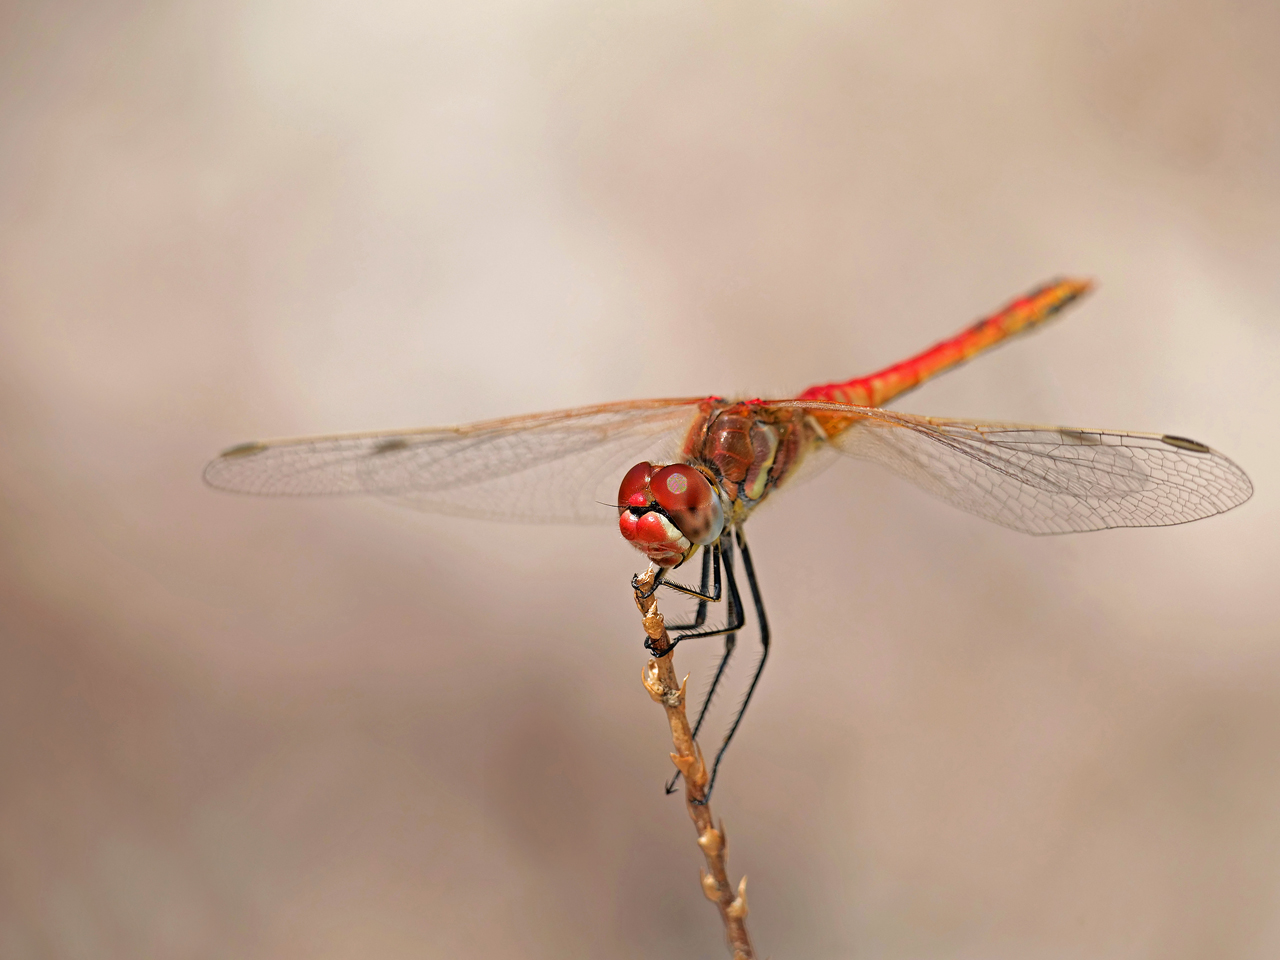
[(708, 556), (736, 617), (730, 641), (764, 642), (653, 587), (714, 595)]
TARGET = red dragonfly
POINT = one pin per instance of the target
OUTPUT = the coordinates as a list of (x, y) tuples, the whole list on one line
[(700, 465)]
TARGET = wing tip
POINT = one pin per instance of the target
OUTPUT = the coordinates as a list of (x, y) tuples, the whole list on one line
[(213, 470), (1241, 493)]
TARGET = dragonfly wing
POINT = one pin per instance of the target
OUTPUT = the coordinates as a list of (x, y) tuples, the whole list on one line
[(550, 467), (1046, 480)]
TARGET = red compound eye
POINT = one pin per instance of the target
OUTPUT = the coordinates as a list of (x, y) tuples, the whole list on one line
[(676, 509), (634, 491), (689, 500), (680, 487)]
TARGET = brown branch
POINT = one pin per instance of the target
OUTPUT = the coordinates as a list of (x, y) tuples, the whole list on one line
[(660, 681)]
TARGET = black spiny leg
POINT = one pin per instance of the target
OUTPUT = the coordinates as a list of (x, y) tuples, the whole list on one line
[(661, 580), (730, 641), (736, 617), (703, 596), (764, 642)]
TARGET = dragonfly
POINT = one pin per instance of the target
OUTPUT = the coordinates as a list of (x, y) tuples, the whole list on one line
[(681, 474)]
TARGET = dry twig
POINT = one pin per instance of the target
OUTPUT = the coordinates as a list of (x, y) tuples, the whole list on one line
[(660, 681)]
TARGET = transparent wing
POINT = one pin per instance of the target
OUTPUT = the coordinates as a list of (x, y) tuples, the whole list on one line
[(1043, 480), (548, 467)]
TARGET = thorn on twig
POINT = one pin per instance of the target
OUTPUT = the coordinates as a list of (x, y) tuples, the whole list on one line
[(709, 886), (676, 699), (738, 909), (691, 766), (652, 682), (653, 625), (711, 842)]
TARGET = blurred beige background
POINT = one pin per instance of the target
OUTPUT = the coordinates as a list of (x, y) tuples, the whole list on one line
[(238, 728)]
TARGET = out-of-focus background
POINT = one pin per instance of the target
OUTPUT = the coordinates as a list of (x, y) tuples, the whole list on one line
[(333, 729)]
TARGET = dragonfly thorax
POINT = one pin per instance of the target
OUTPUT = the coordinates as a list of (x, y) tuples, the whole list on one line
[(743, 450), (668, 512), (748, 449)]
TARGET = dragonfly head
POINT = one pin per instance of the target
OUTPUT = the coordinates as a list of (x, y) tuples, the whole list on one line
[(668, 512)]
